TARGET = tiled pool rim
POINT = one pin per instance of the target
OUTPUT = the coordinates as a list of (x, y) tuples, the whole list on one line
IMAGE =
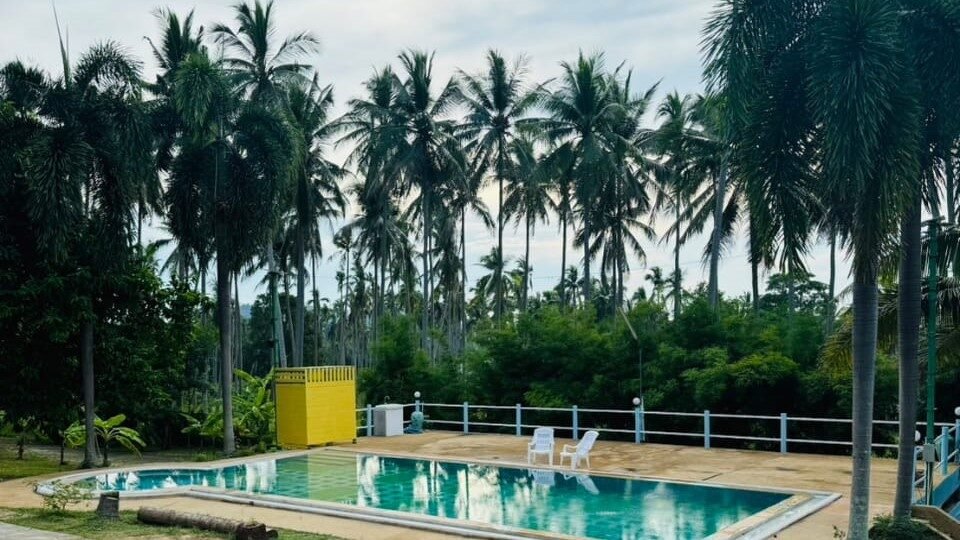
[(774, 519)]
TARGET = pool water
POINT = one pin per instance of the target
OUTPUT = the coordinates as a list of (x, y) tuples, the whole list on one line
[(542, 500)]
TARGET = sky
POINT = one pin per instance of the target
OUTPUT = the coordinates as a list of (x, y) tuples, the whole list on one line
[(658, 39)]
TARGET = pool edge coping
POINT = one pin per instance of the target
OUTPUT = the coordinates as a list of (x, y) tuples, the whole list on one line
[(743, 529)]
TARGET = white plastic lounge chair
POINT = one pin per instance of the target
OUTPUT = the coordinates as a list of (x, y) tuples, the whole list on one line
[(543, 477), (542, 444), (580, 452), (585, 482)]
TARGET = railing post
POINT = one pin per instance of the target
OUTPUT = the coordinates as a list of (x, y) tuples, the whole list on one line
[(518, 419), (783, 433), (416, 406), (956, 439), (369, 420), (944, 449), (576, 428), (706, 429), (636, 425), (466, 417)]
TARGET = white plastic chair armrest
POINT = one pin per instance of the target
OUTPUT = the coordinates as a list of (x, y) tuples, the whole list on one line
[(569, 449)]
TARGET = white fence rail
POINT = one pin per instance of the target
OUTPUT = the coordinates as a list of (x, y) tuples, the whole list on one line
[(783, 431)]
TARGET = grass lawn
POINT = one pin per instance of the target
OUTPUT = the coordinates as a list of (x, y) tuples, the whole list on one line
[(88, 525), (31, 465)]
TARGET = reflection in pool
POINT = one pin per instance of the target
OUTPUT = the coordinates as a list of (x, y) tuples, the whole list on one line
[(542, 500)]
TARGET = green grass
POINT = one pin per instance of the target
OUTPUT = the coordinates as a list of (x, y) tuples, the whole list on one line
[(31, 465), (88, 525)]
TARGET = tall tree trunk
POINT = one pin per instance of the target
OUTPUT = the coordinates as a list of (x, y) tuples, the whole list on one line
[(280, 348), (290, 315), (424, 316), (463, 278), (301, 299), (563, 261), (346, 314), (864, 372), (526, 267), (89, 413), (498, 310), (586, 261), (832, 286), (226, 342), (316, 310), (951, 187), (239, 318), (909, 341), (677, 280), (754, 265), (714, 287)]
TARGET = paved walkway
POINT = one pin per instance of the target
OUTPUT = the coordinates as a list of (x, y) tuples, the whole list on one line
[(15, 532)]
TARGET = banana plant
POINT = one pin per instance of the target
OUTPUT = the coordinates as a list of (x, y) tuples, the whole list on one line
[(106, 431)]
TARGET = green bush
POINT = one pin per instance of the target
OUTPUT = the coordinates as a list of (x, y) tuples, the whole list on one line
[(890, 528)]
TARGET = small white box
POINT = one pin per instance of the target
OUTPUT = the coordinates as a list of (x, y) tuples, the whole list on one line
[(388, 420)]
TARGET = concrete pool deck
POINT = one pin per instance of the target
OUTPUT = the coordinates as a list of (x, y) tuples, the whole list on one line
[(792, 471)]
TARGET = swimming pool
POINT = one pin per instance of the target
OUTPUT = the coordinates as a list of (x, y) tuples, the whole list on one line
[(546, 500)]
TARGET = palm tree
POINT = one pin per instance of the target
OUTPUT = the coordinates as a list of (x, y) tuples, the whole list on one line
[(495, 102), (316, 192), (528, 199), (85, 168), (428, 155), (488, 284), (581, 113), (262, 71), (677, 180), (837, 105), (230, 151)]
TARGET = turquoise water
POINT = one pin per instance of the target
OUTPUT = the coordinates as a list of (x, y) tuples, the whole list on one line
[(580, 505)]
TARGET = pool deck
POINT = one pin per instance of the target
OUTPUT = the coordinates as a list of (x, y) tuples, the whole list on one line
[(684, 463)]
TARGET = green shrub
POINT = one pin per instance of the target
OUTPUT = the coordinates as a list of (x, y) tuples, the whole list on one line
[(890, 528), (60, 495)]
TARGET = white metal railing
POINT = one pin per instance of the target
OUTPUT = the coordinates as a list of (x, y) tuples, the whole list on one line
[(947, 443)]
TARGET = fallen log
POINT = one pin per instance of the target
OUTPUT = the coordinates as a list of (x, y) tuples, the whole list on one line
[(173, 518)]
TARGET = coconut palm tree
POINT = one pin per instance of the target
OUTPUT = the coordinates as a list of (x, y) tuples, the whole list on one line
[(487, 286), (528, 199), (426, 154), (85, 169), (262, 69), (495, 101), (229, 151), (316, 190), (579, 116), (837, 106)]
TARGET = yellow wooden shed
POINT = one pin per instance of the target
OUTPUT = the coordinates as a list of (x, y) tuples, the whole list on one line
[(316, 406)]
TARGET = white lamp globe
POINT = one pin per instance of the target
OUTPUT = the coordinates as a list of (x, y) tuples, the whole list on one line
[(636, 402), (416, 395)]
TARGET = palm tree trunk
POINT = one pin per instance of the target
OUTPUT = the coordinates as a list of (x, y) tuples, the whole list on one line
[(714, 287), (909, 341), (239, 321), (290, 316), (754, 266), (301, 299), (316, 310), (586, 261), (563, 262), (951, 187), (864, 372), (280, 348), (89, 414), (831, 290), (677, 283), (499, 299), (226, 342), (463, 278), (526, 266), (424, 315)]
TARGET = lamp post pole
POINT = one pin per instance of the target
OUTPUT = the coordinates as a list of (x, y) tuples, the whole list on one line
[(929, 451)]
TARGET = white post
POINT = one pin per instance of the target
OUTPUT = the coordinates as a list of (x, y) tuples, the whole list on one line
[(783, 433), (944, 449), (706, 429), (518, 420), (576, 428), (369, 420), (466, 417)]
